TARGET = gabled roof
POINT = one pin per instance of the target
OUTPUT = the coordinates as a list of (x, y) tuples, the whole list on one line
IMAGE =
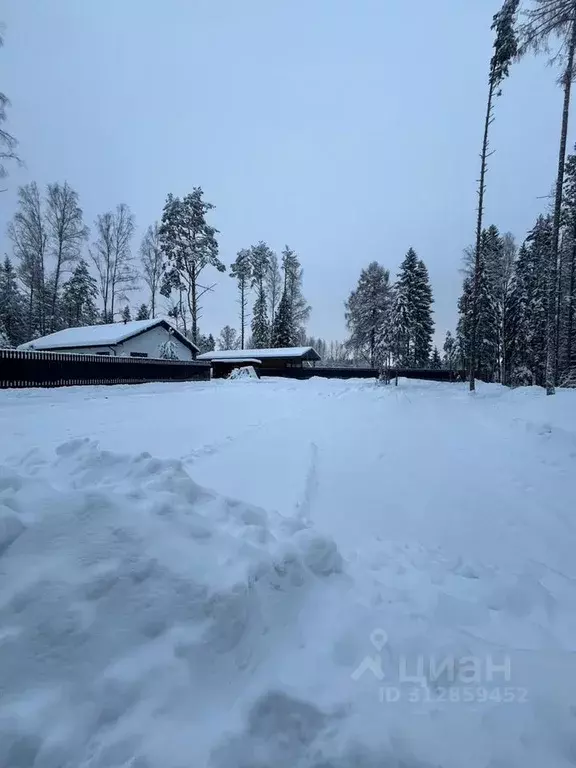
[(103, 335), (283, 353)]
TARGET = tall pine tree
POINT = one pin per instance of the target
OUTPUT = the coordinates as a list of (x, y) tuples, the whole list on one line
[(504, 50), (189, 244), (241, 271)]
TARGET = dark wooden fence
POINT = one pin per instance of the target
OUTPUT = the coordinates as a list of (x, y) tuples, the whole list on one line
[(427, 374), (19, 368), (321, 371)]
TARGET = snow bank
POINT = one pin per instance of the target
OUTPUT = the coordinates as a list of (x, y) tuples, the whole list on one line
[(132, 606), (149, 622)]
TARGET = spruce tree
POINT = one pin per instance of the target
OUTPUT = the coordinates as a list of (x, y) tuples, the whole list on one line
[(567, 340), (423, 328), (412, 313), (282, 334), (528, 306), (125, 316), (260, 261), (464, 327), (436, 360), (449, 348), (12, 318), (368, 315), (79, 295), (143, 312), (299, 309), (554, 20)]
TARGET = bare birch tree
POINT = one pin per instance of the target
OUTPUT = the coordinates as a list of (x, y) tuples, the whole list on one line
[(151, 255), (112, 257), (28, 233), (66, 235)]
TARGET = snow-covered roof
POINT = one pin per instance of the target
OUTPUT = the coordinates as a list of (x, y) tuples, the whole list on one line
[(303, 353), (240, 360), (101, 335)]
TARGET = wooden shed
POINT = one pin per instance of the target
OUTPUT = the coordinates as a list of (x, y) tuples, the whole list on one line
[(265, 361)]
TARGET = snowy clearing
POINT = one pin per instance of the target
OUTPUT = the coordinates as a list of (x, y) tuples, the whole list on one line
[(247, 574)]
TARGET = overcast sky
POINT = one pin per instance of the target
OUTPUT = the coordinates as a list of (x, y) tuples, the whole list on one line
[(349, 129)]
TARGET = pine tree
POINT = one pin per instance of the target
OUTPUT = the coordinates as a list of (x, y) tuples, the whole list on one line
[(143, 312), (504, 50), (125, 316), (189, 244), (368, 315), (228, 338), (12, 319), (79, 295), (241, 271)]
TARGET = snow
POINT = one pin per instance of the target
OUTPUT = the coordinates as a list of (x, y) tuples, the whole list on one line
[(308, 353), (245, 574), (94, 335)]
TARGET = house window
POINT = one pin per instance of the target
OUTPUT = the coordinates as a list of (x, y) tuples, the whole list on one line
[(138, 354), (103, 354)]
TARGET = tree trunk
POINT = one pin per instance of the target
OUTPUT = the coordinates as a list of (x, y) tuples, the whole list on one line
[(481, 189), (242, 311), (194, 308), (570, 319), (553, 315), (56, 282)]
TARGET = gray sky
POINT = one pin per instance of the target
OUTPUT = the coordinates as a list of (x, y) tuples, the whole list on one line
[(349, 129)]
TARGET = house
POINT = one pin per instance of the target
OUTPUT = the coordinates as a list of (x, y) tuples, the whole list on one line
[(138, 338), (263, 360)]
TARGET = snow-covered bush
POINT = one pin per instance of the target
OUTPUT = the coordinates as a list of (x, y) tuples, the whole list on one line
[(522, 377), (246, 372), (568, 378), (168, 351)]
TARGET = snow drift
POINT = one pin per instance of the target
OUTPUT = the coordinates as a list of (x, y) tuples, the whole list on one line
[(132, 606), (149, 622)]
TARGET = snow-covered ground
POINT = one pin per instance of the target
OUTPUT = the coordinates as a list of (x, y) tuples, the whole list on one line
[(258, 574)]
